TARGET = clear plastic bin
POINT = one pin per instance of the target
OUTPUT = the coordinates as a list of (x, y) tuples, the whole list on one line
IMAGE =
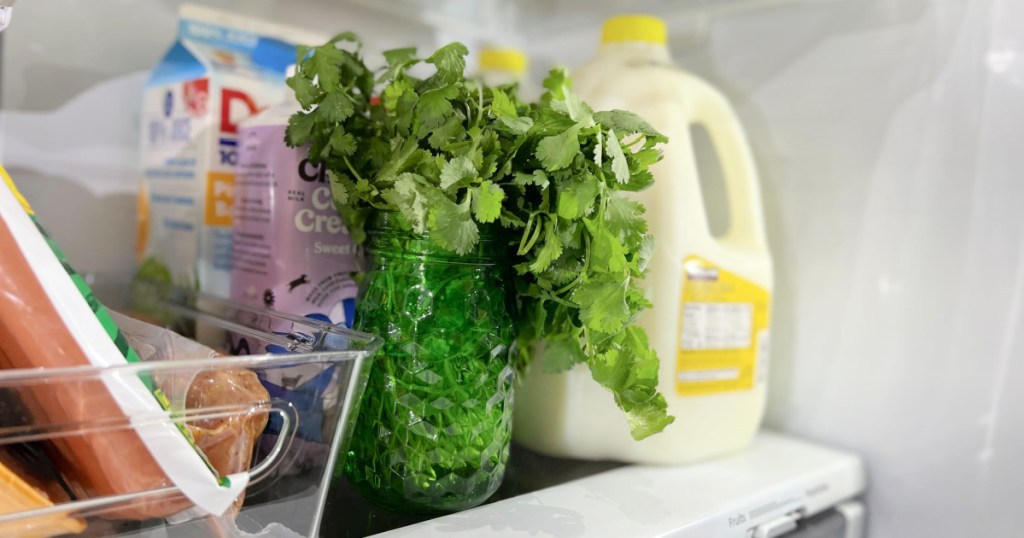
[(291, 471)]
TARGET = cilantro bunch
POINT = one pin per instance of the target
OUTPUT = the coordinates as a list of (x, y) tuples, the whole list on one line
[(451, 154)]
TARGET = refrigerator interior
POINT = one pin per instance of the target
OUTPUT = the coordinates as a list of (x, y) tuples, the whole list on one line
[(886, 136)]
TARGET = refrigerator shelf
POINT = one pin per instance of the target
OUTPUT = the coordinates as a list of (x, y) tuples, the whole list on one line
[(777, 477)]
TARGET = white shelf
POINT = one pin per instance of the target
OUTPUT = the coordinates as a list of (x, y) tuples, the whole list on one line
[(722, 498)]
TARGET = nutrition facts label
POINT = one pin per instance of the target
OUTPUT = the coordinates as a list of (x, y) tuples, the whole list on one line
[(716, 326)]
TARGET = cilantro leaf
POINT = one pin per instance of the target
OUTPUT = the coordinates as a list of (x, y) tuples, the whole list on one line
[(502, 106), (575, 108), (558, 151), (537, 178), (398, 60), (562, 353), (550, 251), (450, 61), (567, 267), (645, 252), (517, 125), (548, 121), (452, 129), (335, 108), (408, 197), (305, 91), (454, 228), (624, 217), (487, 201), (638, 181), (457, 171), (342, 143), (619, 165), (341, 189), (300, 128), (602, 305), (557, 82), (402, 158), (576, 199), (505, 110), (608, 254), (645, 158), (324, 66), (629, 369), (346, 36), (434, 106), (627, 123), (394, 92)]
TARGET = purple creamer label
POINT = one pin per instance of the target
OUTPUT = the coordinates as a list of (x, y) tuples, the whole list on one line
[(292, 253)]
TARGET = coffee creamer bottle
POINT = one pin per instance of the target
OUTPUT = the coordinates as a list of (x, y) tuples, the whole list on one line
[(712, 295), (291, 253)]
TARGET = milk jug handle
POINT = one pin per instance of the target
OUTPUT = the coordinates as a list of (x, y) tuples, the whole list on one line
[(712, 111)]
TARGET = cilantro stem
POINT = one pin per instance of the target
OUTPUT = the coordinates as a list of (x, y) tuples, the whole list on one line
[(526, 233), (533, 237), (630, 145), (351, 168), (583, 272), (511, 155), (588, 347), (551, 297), (480, 103), (433, 430)]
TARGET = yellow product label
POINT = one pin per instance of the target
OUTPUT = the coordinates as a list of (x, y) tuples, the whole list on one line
[(220, 198), (14, 190), (142, 218), (723, 330)]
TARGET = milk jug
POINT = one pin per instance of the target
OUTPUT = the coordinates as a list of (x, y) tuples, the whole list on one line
[(505, 66), (711, 294), (502, 65)]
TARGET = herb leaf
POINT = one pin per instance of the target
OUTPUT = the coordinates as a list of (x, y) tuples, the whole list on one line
[(628, 122), (450, 61), (603, 305), (619, 166), (487, 202), (454, 228), (557, 151), (457, 171)]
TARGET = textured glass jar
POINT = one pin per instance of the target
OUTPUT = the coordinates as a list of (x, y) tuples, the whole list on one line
[(434, 424)]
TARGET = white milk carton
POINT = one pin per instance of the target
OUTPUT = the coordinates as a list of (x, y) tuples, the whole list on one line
[(222, 69)]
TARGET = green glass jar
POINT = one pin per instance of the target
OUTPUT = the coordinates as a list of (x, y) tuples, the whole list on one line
[(434, 424)]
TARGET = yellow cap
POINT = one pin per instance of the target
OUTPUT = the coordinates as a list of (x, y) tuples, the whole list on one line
[(643, 28), (511, 60)]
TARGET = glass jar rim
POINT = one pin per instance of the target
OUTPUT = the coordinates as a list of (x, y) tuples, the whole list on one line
[(384, 224)]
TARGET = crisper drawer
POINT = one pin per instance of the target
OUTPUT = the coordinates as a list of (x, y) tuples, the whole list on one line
[(846, 520), (293, 458)]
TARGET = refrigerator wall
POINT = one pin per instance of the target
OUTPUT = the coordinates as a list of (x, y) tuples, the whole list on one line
[(887, 133), (888, 139)]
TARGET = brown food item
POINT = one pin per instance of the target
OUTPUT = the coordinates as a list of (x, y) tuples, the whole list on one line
[(33, 335), (20, 490), (228, 441)]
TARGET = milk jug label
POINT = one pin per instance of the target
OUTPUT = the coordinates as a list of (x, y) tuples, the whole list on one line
[(723, 332)]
